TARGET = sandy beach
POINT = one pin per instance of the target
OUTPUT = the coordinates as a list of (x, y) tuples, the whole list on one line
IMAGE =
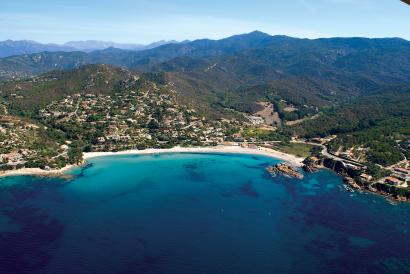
[(291, 159)]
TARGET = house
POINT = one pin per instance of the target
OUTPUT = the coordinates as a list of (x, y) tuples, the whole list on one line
[(366, 177), (14, 157), (314, 159), (351, 166), (394, 181)]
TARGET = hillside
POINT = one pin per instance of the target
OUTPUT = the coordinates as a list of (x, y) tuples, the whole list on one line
[(340, 65), (373, 127), (27, 96), (96, 108)]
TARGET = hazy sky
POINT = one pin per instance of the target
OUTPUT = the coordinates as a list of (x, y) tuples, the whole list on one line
[(143, 21)]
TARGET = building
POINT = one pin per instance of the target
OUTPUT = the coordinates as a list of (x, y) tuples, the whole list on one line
[(402, 170), (366, 177)]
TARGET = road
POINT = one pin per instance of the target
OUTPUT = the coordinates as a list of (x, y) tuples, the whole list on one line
[(326, 153)]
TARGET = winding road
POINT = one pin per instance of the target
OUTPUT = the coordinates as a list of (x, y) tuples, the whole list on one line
[(326, 153)]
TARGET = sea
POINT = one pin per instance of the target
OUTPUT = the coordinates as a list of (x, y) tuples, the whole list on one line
[(197, 213)]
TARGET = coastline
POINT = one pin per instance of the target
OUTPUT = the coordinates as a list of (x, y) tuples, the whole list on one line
[(291, 159), (36, 172)]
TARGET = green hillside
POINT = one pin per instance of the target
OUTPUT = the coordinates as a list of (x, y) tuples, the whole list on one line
[(376, 125)]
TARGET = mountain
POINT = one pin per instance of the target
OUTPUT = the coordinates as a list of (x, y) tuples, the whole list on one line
[(91, 45), (10, 47), (256, 57), (33, 64)]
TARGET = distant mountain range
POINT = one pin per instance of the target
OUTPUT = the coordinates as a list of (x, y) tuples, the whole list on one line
[(10, 47), (91, 45)]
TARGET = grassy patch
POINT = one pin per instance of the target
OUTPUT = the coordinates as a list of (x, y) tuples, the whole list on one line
[(300, 150)]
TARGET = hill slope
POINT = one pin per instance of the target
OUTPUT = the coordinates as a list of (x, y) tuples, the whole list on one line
[(373, 127)]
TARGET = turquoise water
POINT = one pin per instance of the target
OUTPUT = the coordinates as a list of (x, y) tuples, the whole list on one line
[(196, 213)]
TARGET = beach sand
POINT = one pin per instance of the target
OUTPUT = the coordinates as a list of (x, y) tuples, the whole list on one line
[(291, 159)]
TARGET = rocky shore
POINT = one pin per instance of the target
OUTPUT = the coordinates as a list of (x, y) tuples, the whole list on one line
[(352, 180), (39, 172)]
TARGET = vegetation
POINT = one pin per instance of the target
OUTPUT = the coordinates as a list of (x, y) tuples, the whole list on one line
[(298, 149), (261, 134), (377, 172), (375, 127)]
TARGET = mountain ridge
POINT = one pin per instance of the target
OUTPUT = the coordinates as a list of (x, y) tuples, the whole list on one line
[(18, 47)]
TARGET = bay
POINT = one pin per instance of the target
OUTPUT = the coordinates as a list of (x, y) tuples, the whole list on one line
[(196, 213)]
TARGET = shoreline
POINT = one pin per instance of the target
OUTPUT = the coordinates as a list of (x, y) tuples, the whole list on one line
[(291, 159)]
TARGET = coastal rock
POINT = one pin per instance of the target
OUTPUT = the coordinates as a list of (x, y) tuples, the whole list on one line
[(311, 164), (284, 169), (310, 168), (351, 183)]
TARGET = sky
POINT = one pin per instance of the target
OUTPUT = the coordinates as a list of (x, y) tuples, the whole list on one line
[(145, 21)]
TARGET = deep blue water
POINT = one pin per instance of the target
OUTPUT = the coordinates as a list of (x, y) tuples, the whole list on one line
[(197, 213)]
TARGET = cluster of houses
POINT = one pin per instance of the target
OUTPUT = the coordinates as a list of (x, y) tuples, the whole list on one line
[(255, 120), (14, 135), (400, 175), (121, 120), (12, 158)]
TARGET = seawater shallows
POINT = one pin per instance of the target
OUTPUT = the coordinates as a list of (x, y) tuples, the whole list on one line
[(196, 213)]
